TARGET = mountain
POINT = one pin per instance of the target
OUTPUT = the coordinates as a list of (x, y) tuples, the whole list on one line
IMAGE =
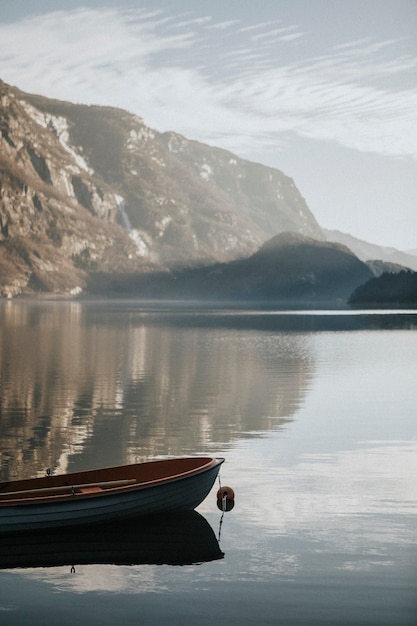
[(89, 189), (289, 268), (370, 252), (382, 267)]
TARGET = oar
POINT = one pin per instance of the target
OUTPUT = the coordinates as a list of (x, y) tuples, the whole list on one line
[(109, 484)]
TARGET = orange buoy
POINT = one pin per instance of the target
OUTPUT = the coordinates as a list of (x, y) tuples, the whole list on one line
[(225, 492)]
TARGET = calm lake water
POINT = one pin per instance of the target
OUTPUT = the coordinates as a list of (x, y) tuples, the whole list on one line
[(315, 413)]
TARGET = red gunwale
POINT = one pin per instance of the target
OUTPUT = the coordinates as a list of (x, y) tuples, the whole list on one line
[(114, 472)]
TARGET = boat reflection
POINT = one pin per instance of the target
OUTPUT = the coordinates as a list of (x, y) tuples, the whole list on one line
[(172, 539)]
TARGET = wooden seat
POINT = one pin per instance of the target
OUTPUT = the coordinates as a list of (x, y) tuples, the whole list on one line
[(92, 489)]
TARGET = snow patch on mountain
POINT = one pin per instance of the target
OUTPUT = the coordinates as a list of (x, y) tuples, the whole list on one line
[(162, 224), (59, 125), (206, 172), (158, 161), (140, 135), (142, 248), (177, 143)]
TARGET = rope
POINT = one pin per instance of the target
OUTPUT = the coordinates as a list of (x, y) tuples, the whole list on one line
[(220, 526), (223, 509)]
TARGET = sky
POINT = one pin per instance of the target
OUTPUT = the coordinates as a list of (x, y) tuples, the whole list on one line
[(324, 90)]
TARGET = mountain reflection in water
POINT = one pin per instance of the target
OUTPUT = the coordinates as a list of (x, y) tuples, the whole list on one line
[(114, 385)]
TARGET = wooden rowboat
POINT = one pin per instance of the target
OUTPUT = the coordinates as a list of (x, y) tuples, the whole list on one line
[(106, 494)]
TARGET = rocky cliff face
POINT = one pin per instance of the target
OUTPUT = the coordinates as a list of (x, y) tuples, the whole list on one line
[(92, 189)]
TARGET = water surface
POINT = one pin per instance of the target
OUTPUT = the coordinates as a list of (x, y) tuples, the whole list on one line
[(313, 411)]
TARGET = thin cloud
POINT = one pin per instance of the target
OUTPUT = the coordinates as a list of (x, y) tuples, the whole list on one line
[(254, 27), (172, 73), (224, 25), (276, 33)]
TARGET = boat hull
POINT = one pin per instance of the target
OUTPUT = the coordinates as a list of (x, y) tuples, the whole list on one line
[(178, 493)]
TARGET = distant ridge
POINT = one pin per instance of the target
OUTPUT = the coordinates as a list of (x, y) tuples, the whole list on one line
[(289, 268), (370, 252)]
